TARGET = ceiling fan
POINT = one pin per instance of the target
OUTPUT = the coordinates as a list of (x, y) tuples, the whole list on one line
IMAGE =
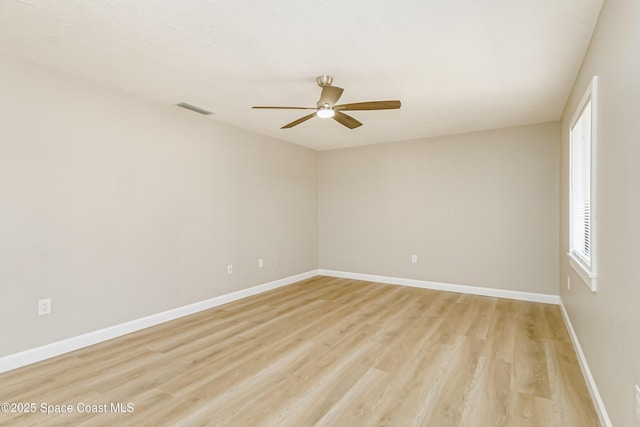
[(326, 106)]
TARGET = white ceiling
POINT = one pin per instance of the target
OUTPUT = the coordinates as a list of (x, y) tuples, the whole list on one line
[(457, 66)]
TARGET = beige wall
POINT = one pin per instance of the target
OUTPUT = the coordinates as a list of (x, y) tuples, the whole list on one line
[(479, 209), (117, 208), (607, 321)]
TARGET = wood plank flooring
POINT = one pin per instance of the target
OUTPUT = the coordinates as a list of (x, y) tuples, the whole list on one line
[(323, 352)]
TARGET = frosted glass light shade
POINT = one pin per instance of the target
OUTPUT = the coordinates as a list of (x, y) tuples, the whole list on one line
[(325, 113)]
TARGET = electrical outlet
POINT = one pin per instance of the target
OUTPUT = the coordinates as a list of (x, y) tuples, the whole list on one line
[(44, 306), (569, 282), (414, 259), (260, 263), (230, 269), (638, 402)]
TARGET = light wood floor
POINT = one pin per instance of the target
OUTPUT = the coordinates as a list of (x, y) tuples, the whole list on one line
[(325, 352)]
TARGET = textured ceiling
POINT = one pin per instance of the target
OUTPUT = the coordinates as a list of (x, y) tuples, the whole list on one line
[(457, 66)]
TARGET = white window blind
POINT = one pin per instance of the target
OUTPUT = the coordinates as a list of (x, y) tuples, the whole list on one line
[(581, 186)]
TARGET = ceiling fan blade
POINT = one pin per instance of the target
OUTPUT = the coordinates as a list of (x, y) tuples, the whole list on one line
[(330, 95), (346, 120), (372, 105), (297, 122), (284, 108)]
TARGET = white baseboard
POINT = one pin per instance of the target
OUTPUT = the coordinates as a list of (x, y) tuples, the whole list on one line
[(489, 292), (586, 372), (38, 354), (44, 352)]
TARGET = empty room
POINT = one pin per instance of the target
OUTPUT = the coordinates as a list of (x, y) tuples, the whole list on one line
[(245, 213)]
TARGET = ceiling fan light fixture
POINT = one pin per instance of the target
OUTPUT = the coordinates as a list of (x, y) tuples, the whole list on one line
[(327, 106), (325, 112)]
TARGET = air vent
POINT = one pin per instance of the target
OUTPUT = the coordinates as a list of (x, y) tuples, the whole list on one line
[(194, 108)]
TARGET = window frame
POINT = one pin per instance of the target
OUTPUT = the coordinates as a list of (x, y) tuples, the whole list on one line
[(586, 270)]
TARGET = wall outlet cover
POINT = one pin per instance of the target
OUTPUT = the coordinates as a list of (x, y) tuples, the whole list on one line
[(44, 306)]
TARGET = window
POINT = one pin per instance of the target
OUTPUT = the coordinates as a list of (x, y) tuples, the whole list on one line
[(582, 153)]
